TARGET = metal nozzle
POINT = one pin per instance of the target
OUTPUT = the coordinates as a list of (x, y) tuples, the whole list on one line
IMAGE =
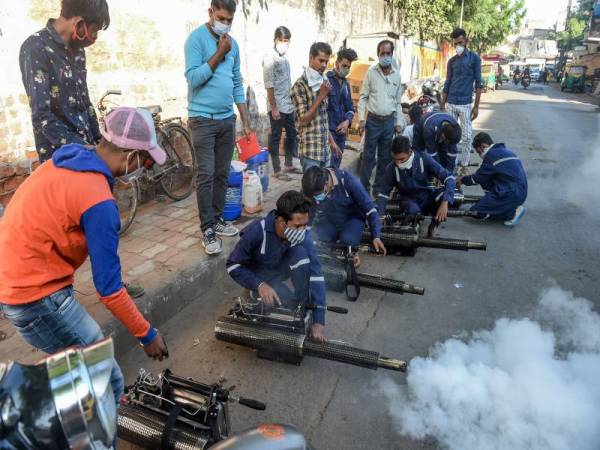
[(392, 364)]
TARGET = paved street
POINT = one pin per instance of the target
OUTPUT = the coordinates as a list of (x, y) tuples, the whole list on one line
[(343, 407)]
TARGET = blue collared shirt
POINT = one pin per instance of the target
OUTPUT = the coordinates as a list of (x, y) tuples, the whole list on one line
[(463, 72), (340, 106), (55, 79)]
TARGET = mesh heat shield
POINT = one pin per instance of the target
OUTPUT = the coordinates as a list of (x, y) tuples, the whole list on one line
[(387, 284), (258, 336), (340, 352), (145, 428)]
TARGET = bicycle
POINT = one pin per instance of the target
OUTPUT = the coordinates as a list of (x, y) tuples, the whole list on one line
[(176, 175)]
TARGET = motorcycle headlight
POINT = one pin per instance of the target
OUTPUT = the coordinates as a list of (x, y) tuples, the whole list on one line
[(79, 381)]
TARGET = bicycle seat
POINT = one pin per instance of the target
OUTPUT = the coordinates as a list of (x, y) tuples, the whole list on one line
[(154, 109)]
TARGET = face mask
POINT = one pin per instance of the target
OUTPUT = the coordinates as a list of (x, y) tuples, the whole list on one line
[(343, 72), (282, 47), (483, 153), (295, 236), (460, 49), (86, 40), (315, 79), (406, 164), (321, 197), (385, 61), (221, 28)]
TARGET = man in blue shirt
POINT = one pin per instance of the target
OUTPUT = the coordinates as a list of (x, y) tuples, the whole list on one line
[(52, 63), (340, 109), (463, 74), (503, 177), (212, 70), (278, 248)]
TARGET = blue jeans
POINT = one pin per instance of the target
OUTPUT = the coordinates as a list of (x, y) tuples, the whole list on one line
[(308, 162), (350, 233), (340, 140), (57, 322), (378, 144)]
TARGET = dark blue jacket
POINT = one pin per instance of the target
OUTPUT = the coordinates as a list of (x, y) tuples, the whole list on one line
[(348, 199), (55, 80), (260, 251), (501, 172), (427, 132), (463, 71), (414, 182), (340, 105)]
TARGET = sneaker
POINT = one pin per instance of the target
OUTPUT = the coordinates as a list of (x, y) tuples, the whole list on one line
[(223, 228), (517, 217), (210, 242), (134, 290), (282, 176)]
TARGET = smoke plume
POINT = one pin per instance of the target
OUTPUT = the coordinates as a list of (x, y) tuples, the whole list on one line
[(523, 385)]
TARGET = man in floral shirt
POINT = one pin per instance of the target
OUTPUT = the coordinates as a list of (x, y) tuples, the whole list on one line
[(52, 65)]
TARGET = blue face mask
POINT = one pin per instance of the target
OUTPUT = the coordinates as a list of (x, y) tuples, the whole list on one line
[(320, 197), (385, 61)]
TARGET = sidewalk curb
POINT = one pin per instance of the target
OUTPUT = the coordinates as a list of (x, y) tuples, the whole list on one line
[(160, 305)]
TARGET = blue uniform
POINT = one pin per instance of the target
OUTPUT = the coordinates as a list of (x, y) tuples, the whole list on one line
[(427, 133), (262, 256), (341, 216), (417, 195), (503, 177), (339, 108)]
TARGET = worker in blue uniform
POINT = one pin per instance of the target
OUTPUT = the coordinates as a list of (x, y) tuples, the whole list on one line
[(437, 134), (342, 207), (503, 177), (279, 248), (410, 173)]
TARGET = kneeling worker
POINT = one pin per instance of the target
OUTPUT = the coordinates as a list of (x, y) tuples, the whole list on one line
[(410, 172), (280, 248), (342, 207), (62, 213), (503, 177)]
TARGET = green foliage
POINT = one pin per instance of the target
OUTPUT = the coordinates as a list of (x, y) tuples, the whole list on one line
[(575, 26), (424, 19), (489, 22)]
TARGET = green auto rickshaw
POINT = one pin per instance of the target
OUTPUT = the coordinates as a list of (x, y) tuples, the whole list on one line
[(574, 79)]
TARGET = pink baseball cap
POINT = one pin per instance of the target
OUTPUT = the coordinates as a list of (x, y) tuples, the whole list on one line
[(133, 129)]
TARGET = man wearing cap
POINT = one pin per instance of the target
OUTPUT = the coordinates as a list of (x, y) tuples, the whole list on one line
[(62, 213)]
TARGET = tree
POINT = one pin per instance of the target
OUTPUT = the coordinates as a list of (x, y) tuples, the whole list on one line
[(425, 19), (575, 26), (489, 22)]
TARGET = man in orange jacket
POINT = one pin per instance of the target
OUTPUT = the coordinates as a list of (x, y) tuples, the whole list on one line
[(62, 213)]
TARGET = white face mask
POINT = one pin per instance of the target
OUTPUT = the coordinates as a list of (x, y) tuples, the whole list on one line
[(343, 72), (460, 49), (483, 153), (315, 79), (221, 28), (406, 164), (295, 236), (282, 47)]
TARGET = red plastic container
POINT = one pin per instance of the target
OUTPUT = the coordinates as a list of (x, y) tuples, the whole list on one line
[(248, 149)]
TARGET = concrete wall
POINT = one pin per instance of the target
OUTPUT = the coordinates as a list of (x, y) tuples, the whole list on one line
[(142, 51)]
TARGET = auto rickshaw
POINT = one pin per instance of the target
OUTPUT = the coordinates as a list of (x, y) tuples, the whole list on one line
[(574, 79)]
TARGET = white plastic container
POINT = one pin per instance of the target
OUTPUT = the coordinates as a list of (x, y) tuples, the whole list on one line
[(252, 197)]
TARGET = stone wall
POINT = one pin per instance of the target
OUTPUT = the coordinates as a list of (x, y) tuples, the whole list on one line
[(142, 51)]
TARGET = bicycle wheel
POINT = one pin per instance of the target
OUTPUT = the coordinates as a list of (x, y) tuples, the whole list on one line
[(126, 196), (179, 170)]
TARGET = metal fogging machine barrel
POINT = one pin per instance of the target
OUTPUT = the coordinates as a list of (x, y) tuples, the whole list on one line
[(261, 338), (399, 237)]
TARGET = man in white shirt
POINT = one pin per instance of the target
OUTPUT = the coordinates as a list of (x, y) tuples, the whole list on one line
[(278, 82), (380, 113)]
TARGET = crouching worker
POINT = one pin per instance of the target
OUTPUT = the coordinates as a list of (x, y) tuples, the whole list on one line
[(437, 134), (279, 248), (502, 175), (342, 207), (410, 172), (62, 213)]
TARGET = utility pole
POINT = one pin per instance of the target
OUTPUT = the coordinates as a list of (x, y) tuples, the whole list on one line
[(562, 58), (462, 10)]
